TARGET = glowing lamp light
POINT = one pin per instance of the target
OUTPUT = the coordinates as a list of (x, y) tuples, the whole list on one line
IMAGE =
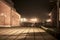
[(49, 14), (33, 20), (49, 20), (23, 20)]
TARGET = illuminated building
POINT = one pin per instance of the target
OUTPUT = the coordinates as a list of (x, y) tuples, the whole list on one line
[(8, 15)]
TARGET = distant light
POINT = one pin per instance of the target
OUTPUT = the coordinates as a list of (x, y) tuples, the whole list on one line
[(49, 20), (49, 14), (33, 20), (23, 20)]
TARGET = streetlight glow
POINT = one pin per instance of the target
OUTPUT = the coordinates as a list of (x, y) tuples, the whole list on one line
[(23, 20), (33, 20), (49, 20), (49, 14)]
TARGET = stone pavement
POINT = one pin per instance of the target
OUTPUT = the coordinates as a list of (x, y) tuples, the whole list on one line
[(24, 33)]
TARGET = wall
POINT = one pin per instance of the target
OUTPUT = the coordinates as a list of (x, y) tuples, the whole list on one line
[(15, 18), (4, 14), (8, 16)]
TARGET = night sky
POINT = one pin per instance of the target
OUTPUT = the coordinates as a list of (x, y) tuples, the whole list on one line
[(32, 8)]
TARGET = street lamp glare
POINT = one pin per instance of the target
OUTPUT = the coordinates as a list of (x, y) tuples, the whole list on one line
[(23, 20), (49, 20), (34, 20), (49, 14)]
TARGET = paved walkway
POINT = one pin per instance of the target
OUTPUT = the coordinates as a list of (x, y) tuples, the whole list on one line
[(24, 34)]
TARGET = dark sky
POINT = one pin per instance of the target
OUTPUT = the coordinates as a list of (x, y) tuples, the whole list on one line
[(32, 8)]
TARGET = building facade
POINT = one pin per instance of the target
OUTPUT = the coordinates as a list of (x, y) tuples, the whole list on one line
[(8, 15)]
